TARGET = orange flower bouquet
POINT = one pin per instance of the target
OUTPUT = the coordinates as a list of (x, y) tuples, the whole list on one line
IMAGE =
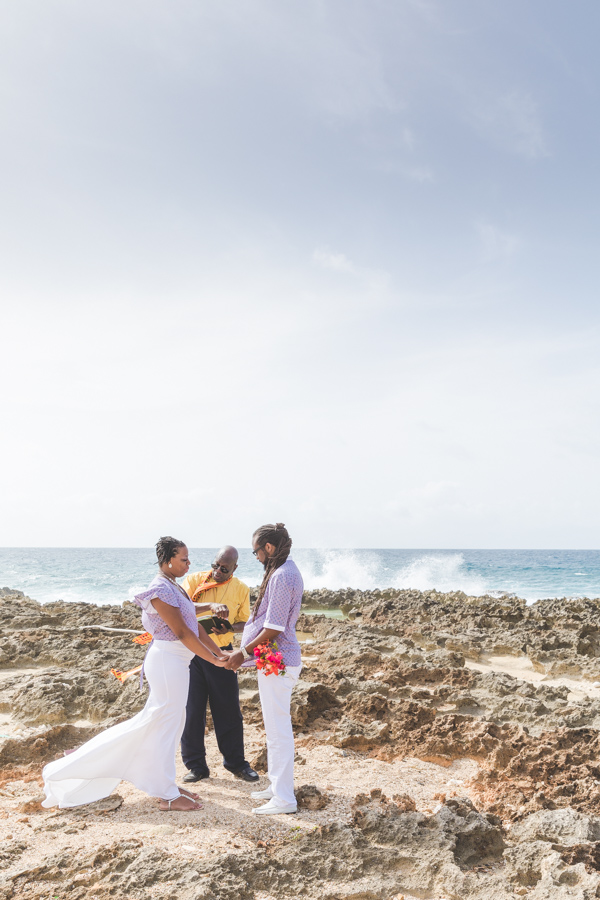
[(268, 659)]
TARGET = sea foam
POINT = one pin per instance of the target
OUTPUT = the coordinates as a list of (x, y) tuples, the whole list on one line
[(363, 570)]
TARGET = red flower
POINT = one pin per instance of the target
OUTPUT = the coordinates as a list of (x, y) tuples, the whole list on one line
[(268, 659)]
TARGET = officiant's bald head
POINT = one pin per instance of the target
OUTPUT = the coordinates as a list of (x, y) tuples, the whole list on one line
[(225, 564)]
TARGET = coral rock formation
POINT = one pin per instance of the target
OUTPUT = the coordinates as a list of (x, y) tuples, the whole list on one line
[(407, 675)]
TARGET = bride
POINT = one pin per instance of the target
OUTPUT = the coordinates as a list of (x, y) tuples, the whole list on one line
[(142, 749)]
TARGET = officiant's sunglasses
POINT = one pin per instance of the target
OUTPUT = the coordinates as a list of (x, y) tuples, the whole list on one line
[(218, 568)]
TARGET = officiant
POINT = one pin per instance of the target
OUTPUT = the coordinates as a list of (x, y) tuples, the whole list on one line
[(219, 593)]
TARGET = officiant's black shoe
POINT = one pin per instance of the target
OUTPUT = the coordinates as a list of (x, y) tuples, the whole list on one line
[(247, 773), (195, 776)]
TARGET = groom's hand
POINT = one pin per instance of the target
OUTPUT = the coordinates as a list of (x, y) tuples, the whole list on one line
[(236, 658)]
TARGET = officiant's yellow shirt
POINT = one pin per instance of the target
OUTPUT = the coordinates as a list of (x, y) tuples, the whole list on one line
[(235, 595)]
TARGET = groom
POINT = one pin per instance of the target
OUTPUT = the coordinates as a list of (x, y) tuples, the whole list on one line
[(274, 617)]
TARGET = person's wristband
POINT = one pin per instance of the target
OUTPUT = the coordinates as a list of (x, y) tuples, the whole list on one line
[(245, 653)]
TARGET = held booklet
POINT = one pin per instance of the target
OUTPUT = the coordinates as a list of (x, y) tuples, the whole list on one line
[(210, 622)]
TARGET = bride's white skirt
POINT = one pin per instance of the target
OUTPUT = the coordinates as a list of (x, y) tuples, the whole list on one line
[(141, 750)]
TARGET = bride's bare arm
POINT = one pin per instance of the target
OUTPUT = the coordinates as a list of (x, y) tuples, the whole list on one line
[(207, 649)]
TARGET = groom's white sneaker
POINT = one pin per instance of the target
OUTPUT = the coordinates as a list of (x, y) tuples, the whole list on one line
[(271, 809), (262, 795)]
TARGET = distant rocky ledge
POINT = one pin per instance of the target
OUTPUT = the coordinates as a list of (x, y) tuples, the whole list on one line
[(404, 674)]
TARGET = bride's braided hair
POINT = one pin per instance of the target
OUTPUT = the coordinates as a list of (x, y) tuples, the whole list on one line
[(166, 549), (278, 536)]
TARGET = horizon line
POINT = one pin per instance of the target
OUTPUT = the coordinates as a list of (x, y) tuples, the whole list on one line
[(213, 547)]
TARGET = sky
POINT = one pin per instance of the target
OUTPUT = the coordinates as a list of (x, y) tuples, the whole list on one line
[(331, 263)]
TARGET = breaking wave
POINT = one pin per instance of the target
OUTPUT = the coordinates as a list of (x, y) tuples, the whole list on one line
[(334, 569)]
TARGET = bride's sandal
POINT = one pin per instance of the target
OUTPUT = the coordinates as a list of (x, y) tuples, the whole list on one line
[(182, 793), (191, 805)]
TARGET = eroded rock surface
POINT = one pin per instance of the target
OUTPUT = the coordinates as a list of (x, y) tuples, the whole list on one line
[(397, 679)]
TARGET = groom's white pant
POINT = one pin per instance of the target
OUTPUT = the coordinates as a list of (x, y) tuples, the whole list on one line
[(275, 695)]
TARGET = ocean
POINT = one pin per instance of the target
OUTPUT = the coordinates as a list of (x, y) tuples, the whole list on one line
[(106, 575)]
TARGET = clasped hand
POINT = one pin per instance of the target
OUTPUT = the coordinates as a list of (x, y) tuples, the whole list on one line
[(236, 658), (223, 659)]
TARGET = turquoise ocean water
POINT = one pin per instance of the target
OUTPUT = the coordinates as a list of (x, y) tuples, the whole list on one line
[(114, 575)]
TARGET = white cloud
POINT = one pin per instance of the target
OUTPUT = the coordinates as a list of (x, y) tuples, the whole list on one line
[(420, 174), (512, 120), (372, 279), (428, 9), (522, 118), (497, 244), (337, 262)]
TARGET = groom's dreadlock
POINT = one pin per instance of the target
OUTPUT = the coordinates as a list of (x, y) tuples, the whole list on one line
[(278, 536)]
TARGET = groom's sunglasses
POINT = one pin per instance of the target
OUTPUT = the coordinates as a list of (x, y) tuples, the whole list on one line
[(255, 552)]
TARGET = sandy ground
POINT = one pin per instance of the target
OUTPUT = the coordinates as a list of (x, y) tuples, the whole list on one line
[(521, 667), (226, 824)]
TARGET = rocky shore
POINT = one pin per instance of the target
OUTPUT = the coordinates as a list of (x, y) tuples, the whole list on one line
[(447, 747)]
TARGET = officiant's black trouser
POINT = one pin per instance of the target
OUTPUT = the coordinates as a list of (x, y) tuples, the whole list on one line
[(219, 687)]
